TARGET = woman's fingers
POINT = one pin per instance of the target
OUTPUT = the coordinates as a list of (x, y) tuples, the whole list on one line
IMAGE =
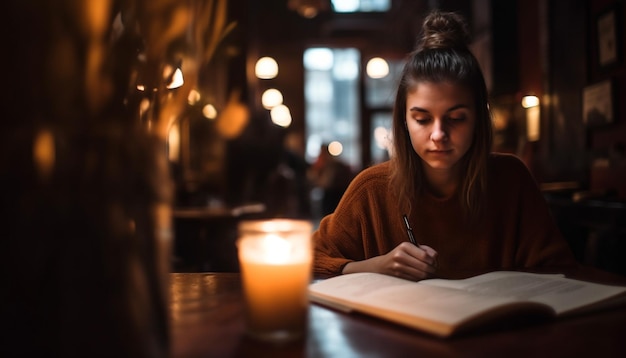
[(412, 262)]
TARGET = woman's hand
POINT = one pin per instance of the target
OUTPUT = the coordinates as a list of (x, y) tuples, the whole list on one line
[(405, 261)]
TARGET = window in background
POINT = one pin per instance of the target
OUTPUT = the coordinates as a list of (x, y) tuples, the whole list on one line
[(331, 95), (381, 136), (381, 92), (361, 5), (379, 99)]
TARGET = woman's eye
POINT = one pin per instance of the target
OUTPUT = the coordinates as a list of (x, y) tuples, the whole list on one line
[(421, 120), (457, 119)]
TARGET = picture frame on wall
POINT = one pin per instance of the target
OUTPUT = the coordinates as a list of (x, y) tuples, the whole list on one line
[(598, 104), (608, 28)]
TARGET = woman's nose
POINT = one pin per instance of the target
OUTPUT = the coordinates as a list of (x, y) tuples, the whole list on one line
[(439, 131)]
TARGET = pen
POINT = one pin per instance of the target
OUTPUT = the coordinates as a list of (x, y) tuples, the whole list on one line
[(409, 231)]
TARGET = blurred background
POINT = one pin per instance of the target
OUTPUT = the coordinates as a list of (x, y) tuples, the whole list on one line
[(323, 50), (555, 71), (269, 108)]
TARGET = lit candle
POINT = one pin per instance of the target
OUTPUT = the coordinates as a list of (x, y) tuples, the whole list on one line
[(275, 258)]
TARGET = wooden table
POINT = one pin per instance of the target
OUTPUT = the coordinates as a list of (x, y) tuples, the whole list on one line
[(207, 321)]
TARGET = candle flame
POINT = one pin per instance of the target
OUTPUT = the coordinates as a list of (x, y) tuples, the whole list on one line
[(276, 249)]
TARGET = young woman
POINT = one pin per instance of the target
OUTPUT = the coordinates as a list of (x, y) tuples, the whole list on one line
[(467, 208)]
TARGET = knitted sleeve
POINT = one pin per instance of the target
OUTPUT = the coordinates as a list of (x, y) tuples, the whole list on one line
[(358, 228)]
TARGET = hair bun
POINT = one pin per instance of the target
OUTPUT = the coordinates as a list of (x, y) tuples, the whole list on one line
[(443, 29)]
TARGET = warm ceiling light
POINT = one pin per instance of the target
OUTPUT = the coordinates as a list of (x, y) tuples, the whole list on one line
[(266, 68), (377, 68), (271, 98), (281, 115), (335, 148), (209, 111), (530, 101), (533, 117)]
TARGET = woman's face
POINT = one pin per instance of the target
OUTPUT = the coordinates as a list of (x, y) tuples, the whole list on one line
[(440, 119)]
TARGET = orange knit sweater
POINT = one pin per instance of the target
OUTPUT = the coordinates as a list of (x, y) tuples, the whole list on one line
[(516, 231)]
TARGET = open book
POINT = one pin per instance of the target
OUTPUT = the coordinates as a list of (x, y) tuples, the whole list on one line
[(446, 307)]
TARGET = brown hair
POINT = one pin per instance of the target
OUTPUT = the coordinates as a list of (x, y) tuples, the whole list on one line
[(442, 55)]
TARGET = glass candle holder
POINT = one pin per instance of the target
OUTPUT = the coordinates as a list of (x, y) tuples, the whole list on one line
[(275, 258)]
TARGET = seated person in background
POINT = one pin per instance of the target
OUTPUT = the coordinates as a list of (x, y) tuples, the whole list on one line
[(332, 176), (470, 209)]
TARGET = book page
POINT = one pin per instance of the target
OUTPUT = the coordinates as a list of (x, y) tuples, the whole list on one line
[(561, 293), (443, 307), (376, 293)]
